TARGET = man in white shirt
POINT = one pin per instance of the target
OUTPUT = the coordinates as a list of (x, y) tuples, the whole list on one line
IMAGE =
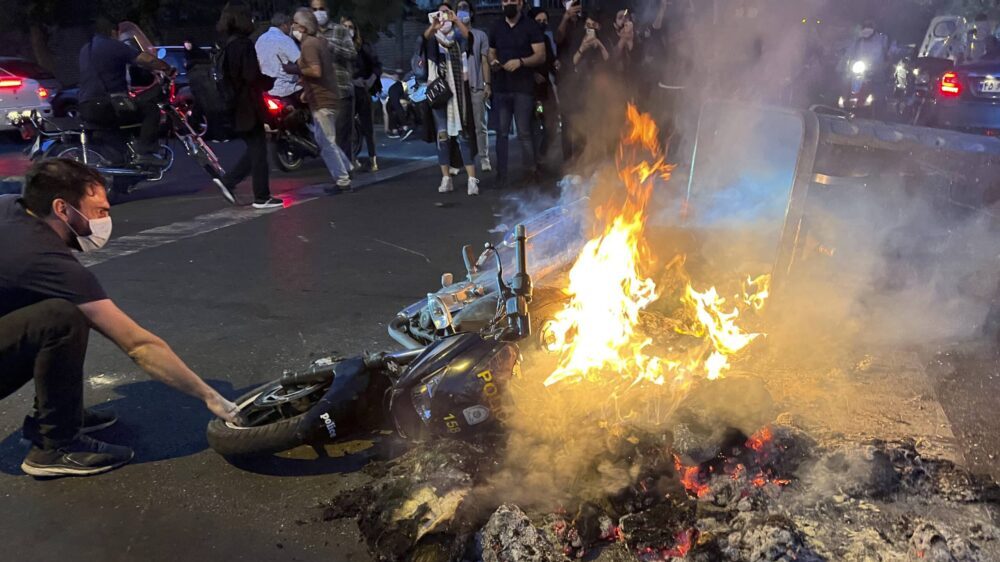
[(275, 48)]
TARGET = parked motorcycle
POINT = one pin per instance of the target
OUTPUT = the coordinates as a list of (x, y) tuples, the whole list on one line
[(451, 387), (290, 126), (113, 153)]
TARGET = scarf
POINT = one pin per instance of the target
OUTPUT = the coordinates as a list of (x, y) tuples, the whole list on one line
[(458, 109)]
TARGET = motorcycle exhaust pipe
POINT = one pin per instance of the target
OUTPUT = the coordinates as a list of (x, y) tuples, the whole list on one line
[(310, 147), (398, 333)]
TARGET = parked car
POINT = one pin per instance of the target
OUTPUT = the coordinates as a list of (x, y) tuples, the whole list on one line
[(25, 87), (967, 98)]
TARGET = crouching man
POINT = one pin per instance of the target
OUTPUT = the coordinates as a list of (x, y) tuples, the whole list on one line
[(48, 304)]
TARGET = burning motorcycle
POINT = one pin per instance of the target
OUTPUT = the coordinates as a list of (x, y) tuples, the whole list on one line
[(450, 387), (289, 124)]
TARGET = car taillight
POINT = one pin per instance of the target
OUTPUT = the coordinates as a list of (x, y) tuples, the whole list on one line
[(11, 83), (274, 105), (950, 86), (43, 93)]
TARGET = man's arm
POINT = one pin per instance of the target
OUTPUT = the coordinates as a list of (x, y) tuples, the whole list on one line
[(153, 355), (343, 45), (309, 62), (149, 62), (563, 30), (537, 57)]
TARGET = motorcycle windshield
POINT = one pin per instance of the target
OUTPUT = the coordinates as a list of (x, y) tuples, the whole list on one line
[(132, 34)]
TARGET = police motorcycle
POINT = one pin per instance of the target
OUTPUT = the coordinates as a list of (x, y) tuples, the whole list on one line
[(450, 387), (112, 152)]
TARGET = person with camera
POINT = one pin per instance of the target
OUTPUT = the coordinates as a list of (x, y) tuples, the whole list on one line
[(447, 42)]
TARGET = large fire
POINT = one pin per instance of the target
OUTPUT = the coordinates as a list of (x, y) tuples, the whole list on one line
[(595, 335)]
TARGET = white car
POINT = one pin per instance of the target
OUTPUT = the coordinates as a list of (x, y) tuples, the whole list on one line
[(22, 90)]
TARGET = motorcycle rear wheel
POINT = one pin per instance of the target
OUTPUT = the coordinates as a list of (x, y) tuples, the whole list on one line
[(272, 414)]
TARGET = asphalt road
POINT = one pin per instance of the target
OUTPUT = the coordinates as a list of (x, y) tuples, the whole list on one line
[(243, 295), (270, 291)]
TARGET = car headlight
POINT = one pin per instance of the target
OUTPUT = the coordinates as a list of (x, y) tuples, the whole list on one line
[(859, 67)]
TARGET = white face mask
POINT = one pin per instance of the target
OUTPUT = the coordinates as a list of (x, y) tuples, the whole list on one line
[(867, 32), (321, 17), (446, 27), (100, 232), (297, 34)]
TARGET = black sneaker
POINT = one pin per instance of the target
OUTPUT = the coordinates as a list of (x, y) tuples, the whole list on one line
[(83, 457), (271, 203), (96, 420)]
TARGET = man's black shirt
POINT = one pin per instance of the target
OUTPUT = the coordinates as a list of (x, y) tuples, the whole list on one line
[(102, 67), (36, 265), (513, 43)]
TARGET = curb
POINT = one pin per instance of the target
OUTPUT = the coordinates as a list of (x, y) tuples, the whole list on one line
[(11, 185)]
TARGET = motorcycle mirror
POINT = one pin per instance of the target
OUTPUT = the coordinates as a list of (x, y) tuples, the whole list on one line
[(447, 279), (161, 53), (470, 260)]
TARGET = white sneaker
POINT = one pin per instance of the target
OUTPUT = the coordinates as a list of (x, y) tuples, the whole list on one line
[(446, 185), (473, 186), (485, 165), (344, 181)]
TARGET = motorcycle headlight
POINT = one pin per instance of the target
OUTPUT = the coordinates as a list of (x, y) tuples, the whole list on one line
[(859, 67), (14, 118), (869, 100), (840, 102), (439, 312)]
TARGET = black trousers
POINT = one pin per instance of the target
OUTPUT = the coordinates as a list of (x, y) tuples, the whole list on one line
[(345, 126), (102, 112), (47, 342), (366, 125), (253, 162)]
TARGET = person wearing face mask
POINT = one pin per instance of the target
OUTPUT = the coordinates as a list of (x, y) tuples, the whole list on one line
[(274, 47), (48, 304), (517, 46), (345, 54), (446, 49), (872, 48), (545, 80), (479, 82)]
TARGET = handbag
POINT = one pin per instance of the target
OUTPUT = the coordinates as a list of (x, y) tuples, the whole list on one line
[(438, 93)]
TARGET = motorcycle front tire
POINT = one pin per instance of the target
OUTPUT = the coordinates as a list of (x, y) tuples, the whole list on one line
[(232, 441)]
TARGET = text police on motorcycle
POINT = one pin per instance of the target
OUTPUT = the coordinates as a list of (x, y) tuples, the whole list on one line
[(48, 304), (104, 96)]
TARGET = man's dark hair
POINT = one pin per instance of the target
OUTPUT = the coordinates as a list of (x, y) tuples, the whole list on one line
[(104, 26), (236, 19), (533, 13), (58, 178), (280, 18)]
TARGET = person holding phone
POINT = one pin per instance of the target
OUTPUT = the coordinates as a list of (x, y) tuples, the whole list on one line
[(447, 43), (517, 45)]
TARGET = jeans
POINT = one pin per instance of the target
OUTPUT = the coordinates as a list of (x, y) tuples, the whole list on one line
[(253, 162), (363, 110), (444, 142), (325, 131), (482, 130), (47, 342), (344, 127), (514, 106)]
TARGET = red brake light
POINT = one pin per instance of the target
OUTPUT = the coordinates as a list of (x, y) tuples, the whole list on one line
[(274, 105), (950, 86), (13, 83), (43, 93)]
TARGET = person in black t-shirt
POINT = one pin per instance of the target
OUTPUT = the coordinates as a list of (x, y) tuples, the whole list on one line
[(48, 304), (516, 46), (103, 64)]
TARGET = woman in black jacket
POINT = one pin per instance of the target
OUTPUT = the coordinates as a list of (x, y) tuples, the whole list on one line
[(243, 77), (367, 82)]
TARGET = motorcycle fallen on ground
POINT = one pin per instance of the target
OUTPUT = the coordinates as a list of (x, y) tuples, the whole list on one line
[(451, 387), (112, 152)]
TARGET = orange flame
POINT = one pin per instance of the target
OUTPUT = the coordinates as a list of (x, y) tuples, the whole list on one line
[(596, 333)]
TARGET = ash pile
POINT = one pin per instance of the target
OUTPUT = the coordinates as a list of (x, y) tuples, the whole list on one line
[(692, 490)]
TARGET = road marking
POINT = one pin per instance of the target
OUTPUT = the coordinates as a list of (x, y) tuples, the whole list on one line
[(210, 222)]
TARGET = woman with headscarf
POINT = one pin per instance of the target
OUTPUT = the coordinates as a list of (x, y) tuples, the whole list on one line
[(446, 47)]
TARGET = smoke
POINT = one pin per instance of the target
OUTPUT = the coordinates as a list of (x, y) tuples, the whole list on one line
[(885, 256)]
